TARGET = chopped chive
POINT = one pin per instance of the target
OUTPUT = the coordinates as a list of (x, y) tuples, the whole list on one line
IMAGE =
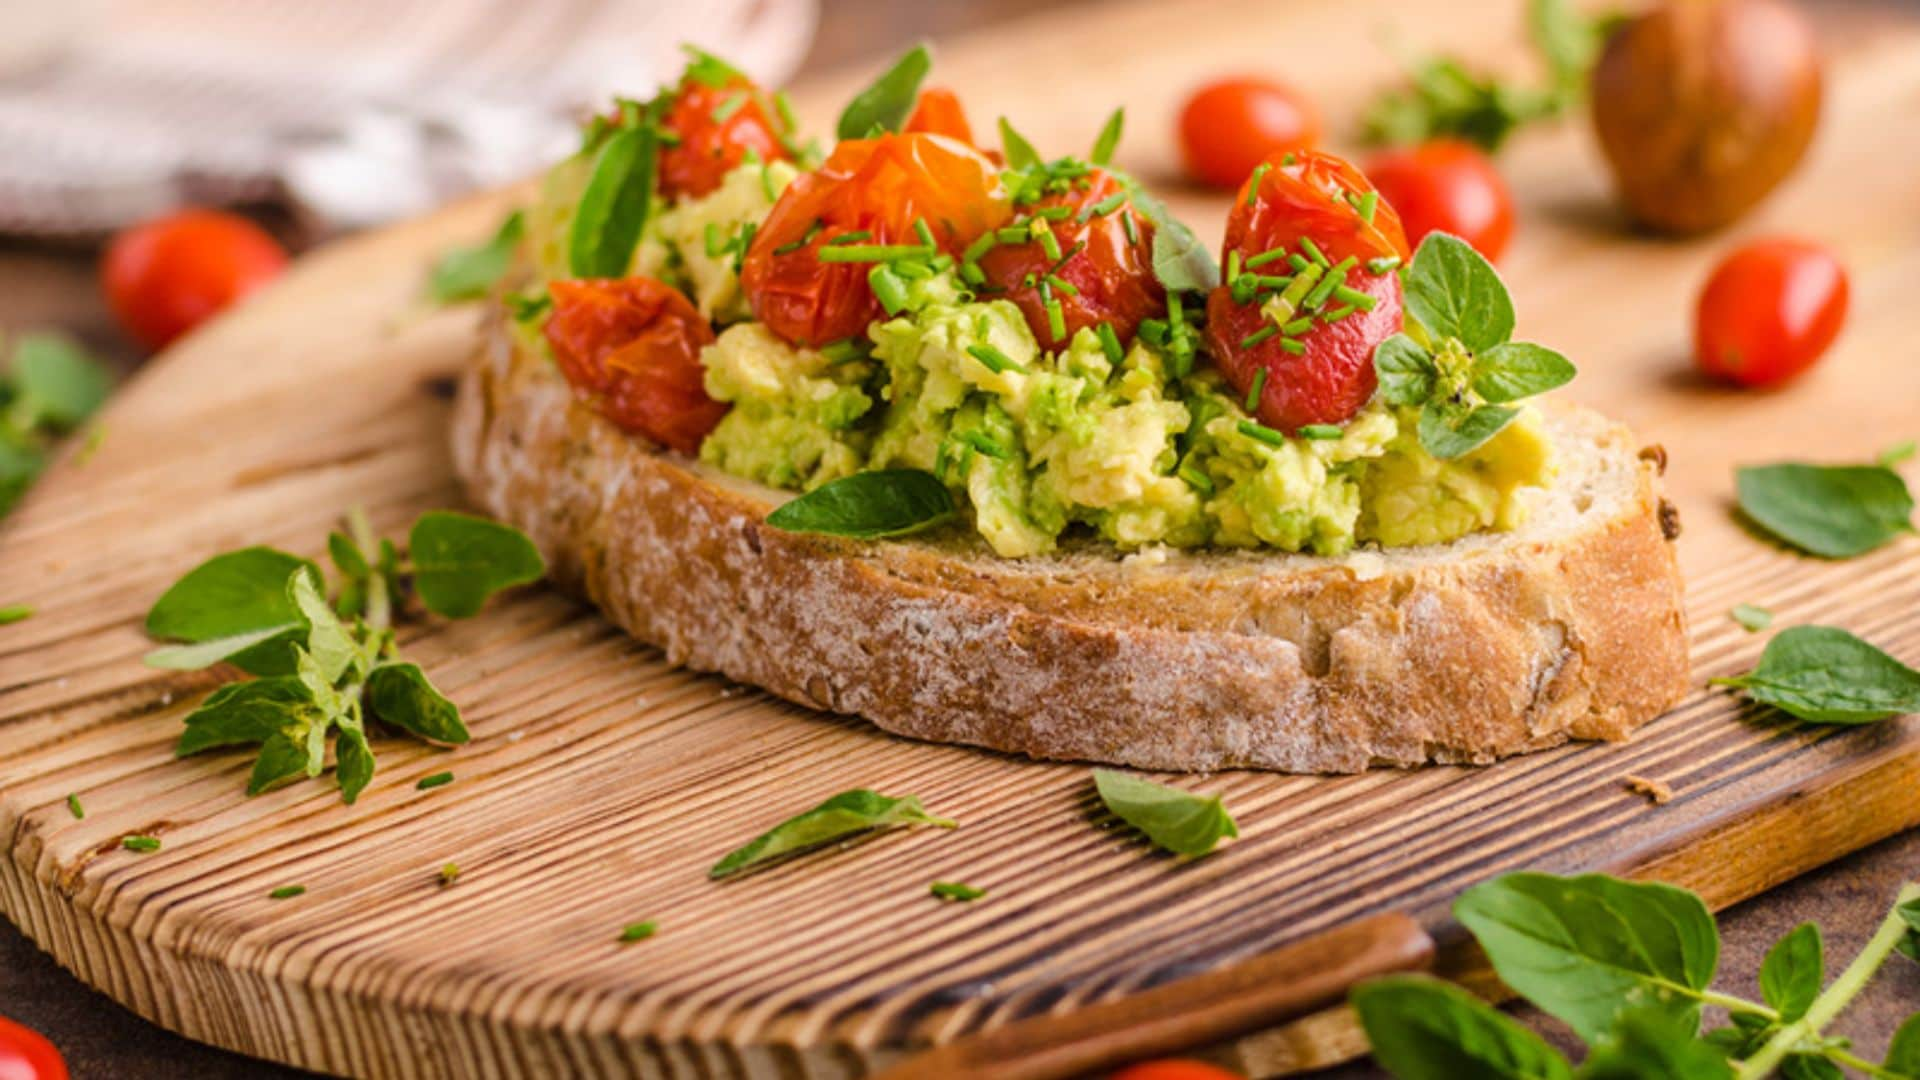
[(1272, 281), (783, 106), (428, 783), (1334, 315), (724, 111), (1313, 250), (716, 243), (1013, 234), (73, 807), (1299, 263), (1292, 346), (985, 444), (955, 891), (1266, 257), (667, 136), (924, 232), (1233, 264), (1065, 258), (887, 287), (1291, 299), (1053, 213), (13, 613), (1262, 433), (1056, 321), (1133, 233), (1253, 182), (1109, 342), (837, 252), (1366, 205), (1385, 264), (1154, 331), (1347, 294), (1252, 403), (972, 274), (1062, 285), (1319, 432), (140, 843), (1244, 287), (1256, 338), (806, 238), (1049, 243), (980, 246), (912, 269), (844, 351), (1287, 162), (1298, 326), (287, 892), (1176, 311), (639, 931), (1330, 282), (941, 263), (1196, 479), (1105, 206), (852, 237), (766, 185), (994, 360)]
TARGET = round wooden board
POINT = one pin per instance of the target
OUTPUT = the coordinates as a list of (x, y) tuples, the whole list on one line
[(601, 783)]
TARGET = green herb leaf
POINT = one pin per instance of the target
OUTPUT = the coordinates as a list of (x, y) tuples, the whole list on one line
[(400, 695), (1519, 369), (1793, 972), (1175, 820), (613, 210), (846, 814), (707, 69), (333, 649), (287, 892), (639, 931), (78, 811), (955, 891), (1454, 292), (20, 465), (1109, 140), (1587, 948), (1897, 453), (437, 780), (1019, 152), (1448, 433), (1652, 1044), (1406, 371), (1825, 675), (1835, 511), (247, 713), (55, 383), (140, 843), (13, 613), (1423, 1029), (460, 560), (869, 505), (1181, 262), (1809, 1067), (1910, 945), (888, 101), (1752, 616), (1903, 1053), (353, 760), (1568, 41), (471, 273), (233, 607)]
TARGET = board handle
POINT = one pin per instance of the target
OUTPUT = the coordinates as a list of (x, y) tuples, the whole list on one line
[(1259, 992)]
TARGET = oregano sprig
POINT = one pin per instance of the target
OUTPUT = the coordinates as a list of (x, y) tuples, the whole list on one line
[(325, 666)]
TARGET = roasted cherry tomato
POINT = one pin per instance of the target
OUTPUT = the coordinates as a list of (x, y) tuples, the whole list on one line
[(1230, 126), (26, 1055), (631, 346), (938, 112), (877, 188), (167, 276), (1769, 311), (1319, 364), (1446, 186), (714, 127), (1107, 266), (1175, 1069)]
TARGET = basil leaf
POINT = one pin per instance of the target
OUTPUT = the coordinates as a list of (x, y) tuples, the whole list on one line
[(1175, 820), (1835, 511), (1519, 369), (1454, 292), (471, 273), (1752, 616), (1019, 152), (1406, 371), (1421, 1028), (869, 505), (1587, 948), (400, 695), (459, 561), (1648, 1045), (1793, 972), (1180, 261), (1109, 140), (245, 714), (613, 210), (238, 607), (1448, 432), (844, 815), (1903, 1053), (888, 101), (1825, 675), (55, 383), (353, 760)]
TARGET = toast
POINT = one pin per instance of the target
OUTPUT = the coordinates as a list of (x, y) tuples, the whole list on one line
[(1569, 627)]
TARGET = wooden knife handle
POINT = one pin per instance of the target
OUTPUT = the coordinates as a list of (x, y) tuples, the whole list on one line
[(1256, 993)]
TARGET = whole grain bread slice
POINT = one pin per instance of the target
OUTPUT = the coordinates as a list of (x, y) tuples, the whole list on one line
[(1569, 628)]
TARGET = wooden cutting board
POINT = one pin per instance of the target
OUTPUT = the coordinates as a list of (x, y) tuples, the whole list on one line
[(601, 783)]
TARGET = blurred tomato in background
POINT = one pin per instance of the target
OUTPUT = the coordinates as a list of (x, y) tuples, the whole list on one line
[(1229, 126)]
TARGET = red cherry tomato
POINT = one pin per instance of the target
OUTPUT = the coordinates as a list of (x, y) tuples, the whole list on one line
[(1448, 186), (715, 128), (1769, 311), (26, 1055), (1230, 126), (631, 346), (1175, 1069), (879, 187), (938, 112), (1108, 270), (1326, 375), (166, 276)]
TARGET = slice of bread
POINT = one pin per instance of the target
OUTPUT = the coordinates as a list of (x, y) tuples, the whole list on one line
[(1570, 627)]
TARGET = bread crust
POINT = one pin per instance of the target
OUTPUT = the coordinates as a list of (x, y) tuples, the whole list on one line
[(1188, 661)]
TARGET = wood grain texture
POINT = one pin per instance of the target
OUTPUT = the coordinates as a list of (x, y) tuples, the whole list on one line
[(602, 783)]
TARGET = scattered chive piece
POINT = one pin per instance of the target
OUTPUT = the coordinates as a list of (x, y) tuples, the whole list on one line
[(1053, 213), (13, 613), (1056, 321), (1292, 346), (639, 931), (1265, 257), (888, 288), (1262, 433), (140, 843), (449, 874), (1109, 343), (1333, 279), (925, 233), (844, 351), (1133, 233), (913, 270), (955, 891), (1105, 206), (1196, 479), (994, 360), (1062, 285), (724, 111), (1385, 264), (1289, 159), (1319, 432), (1349, 295), (1299, 263), (1272, 281), (972, 274), (73, 807), (1013, 234), (1298, 326), (716, 243), (428, 783), (1752, 616), (852, 237), (980, 246), (837, 252), (1049, 243), (1366, 205), (1253, 182), (1233, 264), (1334, 315), (806, 238), (783, 105), (1313, 251), (1259, 382), (1256, 338), (287, 892), (766, 185), (1897, 453)]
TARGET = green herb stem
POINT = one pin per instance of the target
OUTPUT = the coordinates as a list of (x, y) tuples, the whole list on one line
[(379, 601), (1837, 995), (1728, 1002)]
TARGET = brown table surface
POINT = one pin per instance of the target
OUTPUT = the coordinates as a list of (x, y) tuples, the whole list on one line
[(41, 287)]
